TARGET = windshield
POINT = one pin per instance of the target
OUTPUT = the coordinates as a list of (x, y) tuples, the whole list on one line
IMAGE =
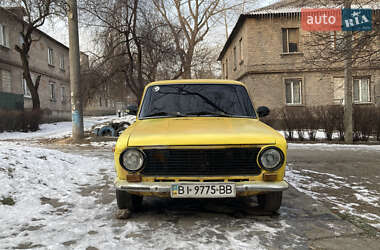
[(182, 100)]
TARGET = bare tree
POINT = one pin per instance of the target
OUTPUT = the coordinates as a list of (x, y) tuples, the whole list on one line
[(136, 42), (345, 51), (190, 21), (35, 14), (193, 19)]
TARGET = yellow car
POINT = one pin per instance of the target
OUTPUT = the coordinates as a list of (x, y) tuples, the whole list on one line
[(199, 139)]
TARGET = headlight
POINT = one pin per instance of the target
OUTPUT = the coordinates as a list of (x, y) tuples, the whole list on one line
[(271, 158), (132, 160)]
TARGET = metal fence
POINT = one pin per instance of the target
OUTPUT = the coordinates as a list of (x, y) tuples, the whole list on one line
[(10, 101)]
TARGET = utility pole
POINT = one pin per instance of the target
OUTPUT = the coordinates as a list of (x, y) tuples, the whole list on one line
[(74, 57)]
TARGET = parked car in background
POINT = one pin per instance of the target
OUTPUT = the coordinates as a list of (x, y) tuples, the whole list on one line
[(199, 139)]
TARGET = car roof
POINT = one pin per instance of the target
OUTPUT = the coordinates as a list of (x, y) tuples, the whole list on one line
[(195, 81)]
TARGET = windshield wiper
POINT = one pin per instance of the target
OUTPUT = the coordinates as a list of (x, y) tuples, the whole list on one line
[(200, 113), (166, 114)]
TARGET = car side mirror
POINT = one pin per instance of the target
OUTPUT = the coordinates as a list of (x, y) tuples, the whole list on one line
[(263, 111), (132, 109)]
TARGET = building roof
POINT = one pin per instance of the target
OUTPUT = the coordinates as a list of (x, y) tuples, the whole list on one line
[(295, 6), (9, 12), (290, 8)]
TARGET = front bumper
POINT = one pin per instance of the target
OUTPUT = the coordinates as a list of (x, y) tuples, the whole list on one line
[(164, 188)]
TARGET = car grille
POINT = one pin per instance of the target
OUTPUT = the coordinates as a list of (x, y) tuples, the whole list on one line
[(201, 162)]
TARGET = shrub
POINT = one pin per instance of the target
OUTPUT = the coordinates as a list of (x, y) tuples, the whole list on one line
[(292, 120), (330, 119), (364, 122), (273, 119), (19, 120), (377, 123), (311, 122)]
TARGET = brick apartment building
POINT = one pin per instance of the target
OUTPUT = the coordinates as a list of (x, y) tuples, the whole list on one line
[(265, 51), (48, 58)]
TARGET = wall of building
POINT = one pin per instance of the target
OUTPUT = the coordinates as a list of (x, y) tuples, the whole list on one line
[(268, 89), (38, 59), (266, 66)]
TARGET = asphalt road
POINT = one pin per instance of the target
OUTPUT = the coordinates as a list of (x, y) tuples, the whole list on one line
[(310, 217)]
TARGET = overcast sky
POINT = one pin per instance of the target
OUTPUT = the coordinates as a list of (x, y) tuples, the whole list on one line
[(58, 29)]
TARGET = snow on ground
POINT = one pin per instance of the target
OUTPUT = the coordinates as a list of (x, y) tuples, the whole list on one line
[(55, 130), (319, 135), (332, 147), (320, 186), (63, 201)]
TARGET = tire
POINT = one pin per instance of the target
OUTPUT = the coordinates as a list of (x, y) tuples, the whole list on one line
[(107, 131), (270, 202), (128, 201)]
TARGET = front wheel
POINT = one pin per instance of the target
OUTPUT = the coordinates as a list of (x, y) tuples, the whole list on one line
[(270, 202), (128, 201)]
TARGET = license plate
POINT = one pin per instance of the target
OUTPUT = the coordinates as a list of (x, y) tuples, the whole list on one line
[(203, 190)]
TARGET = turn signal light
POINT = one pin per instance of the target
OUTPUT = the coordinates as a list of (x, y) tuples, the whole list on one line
[(134, 178), (269, 177)]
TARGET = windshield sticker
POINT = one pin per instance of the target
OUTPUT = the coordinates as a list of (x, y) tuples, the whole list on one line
[(156, 89)]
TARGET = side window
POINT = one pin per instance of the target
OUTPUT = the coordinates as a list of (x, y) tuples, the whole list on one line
[(293, 91)]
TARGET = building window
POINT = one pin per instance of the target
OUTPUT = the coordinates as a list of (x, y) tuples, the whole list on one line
[(52, 91), (3, 36), (361, 90), (241, 50), (21, 40), (293, 91), (226, 69), (5, 77), (50, 56), (338, 90), (25, 88), (235, 58), (62, 62), (290, 40), (63, 95)]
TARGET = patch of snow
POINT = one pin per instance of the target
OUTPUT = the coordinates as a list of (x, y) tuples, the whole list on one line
[(56, 208), (55, 130), (332, 147), (375, 225), (106, 144), (304, 182)]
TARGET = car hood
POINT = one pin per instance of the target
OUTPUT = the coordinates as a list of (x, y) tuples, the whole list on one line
[(200, 131)]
